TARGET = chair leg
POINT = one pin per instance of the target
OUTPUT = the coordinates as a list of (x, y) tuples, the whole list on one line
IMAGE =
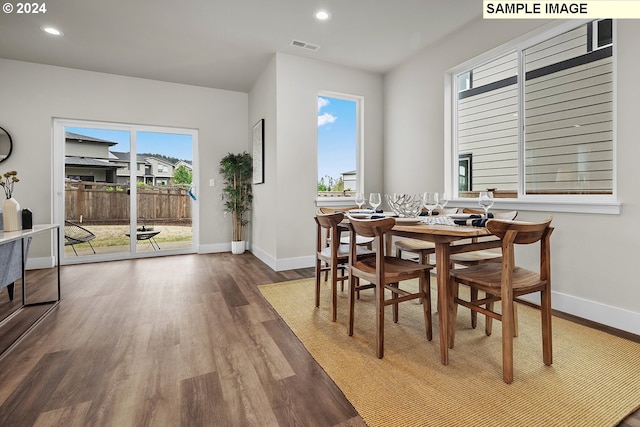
[(334, 292), (474, 314), (507, 338), (379, 289), (394, 295), (515, 319), (353, 282), (488, 321), (318, 272), (425, 288), (454, 289), (545, 309), (94, 251)]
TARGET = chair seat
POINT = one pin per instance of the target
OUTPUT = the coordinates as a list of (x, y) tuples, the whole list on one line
[(360, 240), (488, 277), (415, 245), (476, 257), (343, 253), (395, 269)]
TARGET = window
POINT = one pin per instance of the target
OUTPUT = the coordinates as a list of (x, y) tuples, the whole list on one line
[(602, 33), (538, 120), (338, 142)]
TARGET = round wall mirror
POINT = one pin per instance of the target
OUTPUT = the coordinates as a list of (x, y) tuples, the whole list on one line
[(6, 145)]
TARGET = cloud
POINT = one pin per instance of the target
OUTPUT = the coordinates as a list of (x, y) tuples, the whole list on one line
[(325, 119), (322, 102)]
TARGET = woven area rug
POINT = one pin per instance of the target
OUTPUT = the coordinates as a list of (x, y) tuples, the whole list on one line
[(594, 379)]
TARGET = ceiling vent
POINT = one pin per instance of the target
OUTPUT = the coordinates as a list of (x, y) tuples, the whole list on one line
[(304, 45)]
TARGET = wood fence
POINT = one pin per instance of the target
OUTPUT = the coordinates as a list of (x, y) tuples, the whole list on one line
[(104, 203)]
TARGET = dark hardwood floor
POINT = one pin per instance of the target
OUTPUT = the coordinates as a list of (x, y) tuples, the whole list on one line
[(169, 341)]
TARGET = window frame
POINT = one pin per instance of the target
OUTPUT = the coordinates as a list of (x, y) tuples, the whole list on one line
[(604, 204)]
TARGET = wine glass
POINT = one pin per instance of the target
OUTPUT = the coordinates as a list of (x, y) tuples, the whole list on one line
[(485, 199), (374, 200), (430, 201), (359, 200), (443, 199)]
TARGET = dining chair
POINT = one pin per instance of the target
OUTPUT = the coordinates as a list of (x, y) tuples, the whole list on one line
[(344, 239), (333, 257), (421, 248), (468, 259), (384, 272), (505, 282)]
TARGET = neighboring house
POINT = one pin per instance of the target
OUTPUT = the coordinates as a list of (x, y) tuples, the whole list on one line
[(158, 171), (88, 159), (186, 163), (349, 180), (122, 159)]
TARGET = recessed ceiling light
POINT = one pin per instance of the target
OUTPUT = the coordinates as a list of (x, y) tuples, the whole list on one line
[(322, 15), (51, 30)]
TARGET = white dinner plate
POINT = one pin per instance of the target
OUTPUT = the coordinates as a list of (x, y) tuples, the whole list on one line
[(359, 215)]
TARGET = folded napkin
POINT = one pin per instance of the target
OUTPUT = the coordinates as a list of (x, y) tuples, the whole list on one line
[(475, 220), (383, 216), (426, 213)]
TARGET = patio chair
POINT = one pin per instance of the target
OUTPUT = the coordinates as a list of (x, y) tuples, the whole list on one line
[(75, 234)]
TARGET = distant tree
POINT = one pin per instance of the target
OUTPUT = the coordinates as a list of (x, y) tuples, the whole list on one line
[(339, 185), (182, 175)]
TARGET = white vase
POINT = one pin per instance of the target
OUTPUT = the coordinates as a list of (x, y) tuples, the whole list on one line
[(11, 214), (238, 247)]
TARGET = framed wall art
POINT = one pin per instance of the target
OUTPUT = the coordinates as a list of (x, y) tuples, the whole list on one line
[(258, 152)]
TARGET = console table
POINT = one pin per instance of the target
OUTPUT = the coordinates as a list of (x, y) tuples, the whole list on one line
[(22, 236)]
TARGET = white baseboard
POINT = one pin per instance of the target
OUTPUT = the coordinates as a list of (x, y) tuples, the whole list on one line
[(39, 263), (614, 317), (282, 264), (214, 248)]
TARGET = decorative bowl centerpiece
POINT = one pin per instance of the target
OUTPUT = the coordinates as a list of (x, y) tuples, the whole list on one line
[(405, 205)]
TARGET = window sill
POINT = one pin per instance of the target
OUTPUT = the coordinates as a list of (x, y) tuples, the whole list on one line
[(335, 201), (589, 207)]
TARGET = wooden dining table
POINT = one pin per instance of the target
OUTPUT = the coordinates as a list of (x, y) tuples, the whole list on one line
[(448, 239)]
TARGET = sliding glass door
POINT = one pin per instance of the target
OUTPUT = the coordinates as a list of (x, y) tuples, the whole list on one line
[(125, 191)]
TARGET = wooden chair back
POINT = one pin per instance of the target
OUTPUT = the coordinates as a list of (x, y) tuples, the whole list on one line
[(329, 223), (514, 232), (372, 228)]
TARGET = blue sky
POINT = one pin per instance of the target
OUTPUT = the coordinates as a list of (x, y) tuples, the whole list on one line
[(336, 136), (169, 144)]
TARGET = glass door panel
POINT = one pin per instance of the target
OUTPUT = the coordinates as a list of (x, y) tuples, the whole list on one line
[(164, 191), (96, 192)]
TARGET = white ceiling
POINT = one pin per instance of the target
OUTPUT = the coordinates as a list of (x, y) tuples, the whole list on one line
[(226, 44)]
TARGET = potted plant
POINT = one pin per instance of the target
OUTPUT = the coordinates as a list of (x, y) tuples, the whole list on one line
[(236, 171)]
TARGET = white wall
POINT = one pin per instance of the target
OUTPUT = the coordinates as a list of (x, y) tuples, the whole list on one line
[(291, 151), (262, 105), (594, 256), (33, 95)]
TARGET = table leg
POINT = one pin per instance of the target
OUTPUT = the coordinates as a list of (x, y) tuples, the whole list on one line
[(443, 252)]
